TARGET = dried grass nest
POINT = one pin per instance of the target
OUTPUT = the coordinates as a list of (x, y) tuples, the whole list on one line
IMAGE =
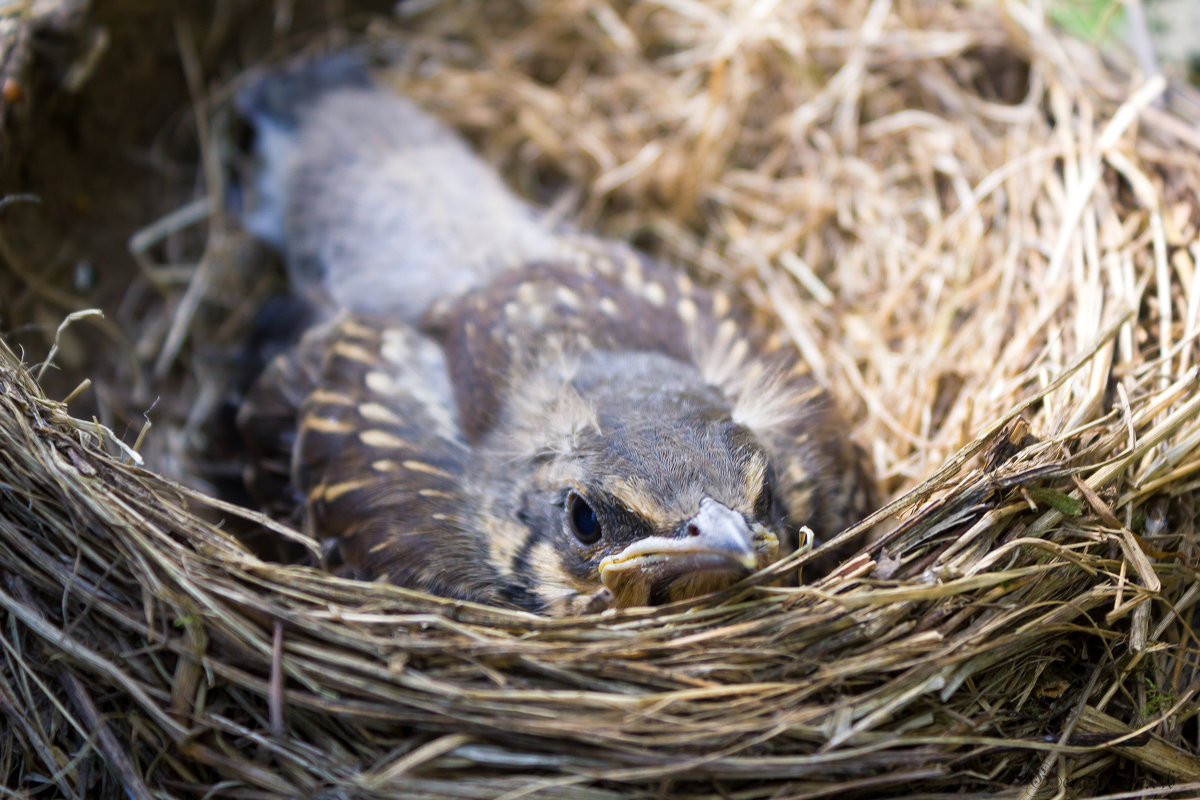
[(983, 236)]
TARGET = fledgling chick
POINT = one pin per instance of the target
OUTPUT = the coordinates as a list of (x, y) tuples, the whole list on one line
[(505, 413)]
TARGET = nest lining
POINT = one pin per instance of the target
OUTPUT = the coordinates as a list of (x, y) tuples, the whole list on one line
[(980, 234)]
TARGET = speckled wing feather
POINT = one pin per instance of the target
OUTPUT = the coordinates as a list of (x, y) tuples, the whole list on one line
[(374, 458)]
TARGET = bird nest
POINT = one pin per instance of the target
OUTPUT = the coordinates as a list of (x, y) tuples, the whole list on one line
[(981, 234)]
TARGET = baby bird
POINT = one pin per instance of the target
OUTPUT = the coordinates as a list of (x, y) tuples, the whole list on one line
[(495, 410)]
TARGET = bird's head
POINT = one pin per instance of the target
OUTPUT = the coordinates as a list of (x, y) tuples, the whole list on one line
[(631, 481)]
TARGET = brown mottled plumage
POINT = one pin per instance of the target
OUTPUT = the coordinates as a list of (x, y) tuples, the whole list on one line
[(559, 424)]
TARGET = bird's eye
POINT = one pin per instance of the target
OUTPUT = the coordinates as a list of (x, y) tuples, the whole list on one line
[(584, 524)]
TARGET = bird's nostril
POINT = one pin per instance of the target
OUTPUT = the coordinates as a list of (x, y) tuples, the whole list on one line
[(693, 530)]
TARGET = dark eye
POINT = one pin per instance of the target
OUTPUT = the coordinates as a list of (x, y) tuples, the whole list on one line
[(584, 524)]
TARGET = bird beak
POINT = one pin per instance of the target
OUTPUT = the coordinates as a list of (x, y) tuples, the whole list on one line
[(715, 549)]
